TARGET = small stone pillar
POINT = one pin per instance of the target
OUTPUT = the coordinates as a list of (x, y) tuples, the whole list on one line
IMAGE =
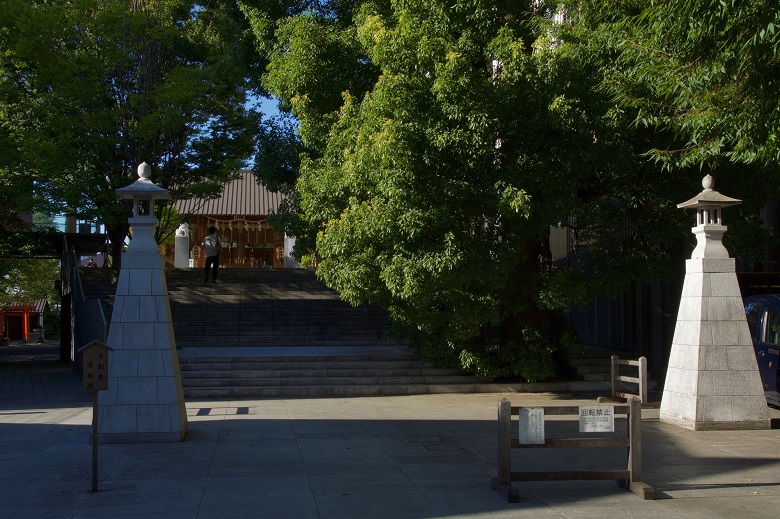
[(181, 258), (144, 401), (712, 382)]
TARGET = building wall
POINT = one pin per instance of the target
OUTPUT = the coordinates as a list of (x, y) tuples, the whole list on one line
[(247, 242)]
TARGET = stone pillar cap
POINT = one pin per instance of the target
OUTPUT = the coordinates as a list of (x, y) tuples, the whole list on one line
[(143, 187), (709, 197)]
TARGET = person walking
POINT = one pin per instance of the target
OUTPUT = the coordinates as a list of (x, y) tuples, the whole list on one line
[(212, 245)]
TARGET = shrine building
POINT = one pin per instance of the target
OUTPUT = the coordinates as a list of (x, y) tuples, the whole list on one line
[(240, 215)]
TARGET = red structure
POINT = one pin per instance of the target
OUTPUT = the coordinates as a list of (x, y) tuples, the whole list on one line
[(18, 320)]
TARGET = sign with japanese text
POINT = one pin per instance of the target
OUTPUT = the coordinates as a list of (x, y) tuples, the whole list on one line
[(597, 418), (95, 366), (531, 426)]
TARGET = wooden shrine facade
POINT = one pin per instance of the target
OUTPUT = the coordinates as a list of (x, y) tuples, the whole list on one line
[(246, 242), (240, 215)]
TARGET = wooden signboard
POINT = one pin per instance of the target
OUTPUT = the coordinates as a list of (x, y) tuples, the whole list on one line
[(95, 366), (95, 378)]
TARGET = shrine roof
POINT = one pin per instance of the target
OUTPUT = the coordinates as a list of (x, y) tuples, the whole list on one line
[(241, 197)]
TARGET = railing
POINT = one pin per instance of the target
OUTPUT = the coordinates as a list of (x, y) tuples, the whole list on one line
[(88, 322), (640, 380), (631, 477)]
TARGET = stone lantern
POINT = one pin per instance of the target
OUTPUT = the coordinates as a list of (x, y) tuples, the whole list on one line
[(143, 192), (144, 401), (709, 228), (712, 381)]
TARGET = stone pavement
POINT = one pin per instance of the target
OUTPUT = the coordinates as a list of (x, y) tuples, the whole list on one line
[(408, 457)]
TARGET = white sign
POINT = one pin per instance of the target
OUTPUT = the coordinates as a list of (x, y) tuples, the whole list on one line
[(531, 426), (597, 418)]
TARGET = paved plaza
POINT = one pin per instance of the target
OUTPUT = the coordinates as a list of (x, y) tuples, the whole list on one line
[(405, 457)]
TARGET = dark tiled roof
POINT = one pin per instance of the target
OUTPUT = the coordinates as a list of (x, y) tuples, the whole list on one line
[(243, 196), (39, 306)]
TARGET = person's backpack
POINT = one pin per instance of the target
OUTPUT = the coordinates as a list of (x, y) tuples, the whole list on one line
[(213, 241)]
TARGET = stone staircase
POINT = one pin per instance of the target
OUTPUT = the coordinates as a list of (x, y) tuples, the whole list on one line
[(253, 307), (96, 284), (317, 376), (592, 368), (283, 333)]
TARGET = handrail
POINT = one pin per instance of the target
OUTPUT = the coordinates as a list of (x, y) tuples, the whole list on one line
[(87, 316)]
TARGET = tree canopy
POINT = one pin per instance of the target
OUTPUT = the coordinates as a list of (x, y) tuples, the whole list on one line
[(442, 140), (89, 89), (434, 145), (706, 70), (705, 73), (24, 281)]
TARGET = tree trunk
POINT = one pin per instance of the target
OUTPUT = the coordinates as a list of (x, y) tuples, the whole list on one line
[(523, 290)]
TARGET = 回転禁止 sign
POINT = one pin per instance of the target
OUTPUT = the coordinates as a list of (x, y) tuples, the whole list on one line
[(597, 418)]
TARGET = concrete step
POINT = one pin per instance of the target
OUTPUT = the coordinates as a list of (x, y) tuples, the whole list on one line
[(325, 391), (393, 372), (356, 325), (388, 390), (315, 335), (218, 372), (593, 369), (596, 377), (295, 363), (323, 381), (589, 361), (284, 342)]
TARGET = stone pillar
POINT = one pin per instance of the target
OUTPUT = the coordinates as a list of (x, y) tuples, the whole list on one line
[(181, 258), (712, 382), (144, 401), (289, 260)]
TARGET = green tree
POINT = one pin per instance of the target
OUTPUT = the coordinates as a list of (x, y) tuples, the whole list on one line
[(91, 88), (442, 139), (700, 77), (705, 69), (318, 44), (27, 280)]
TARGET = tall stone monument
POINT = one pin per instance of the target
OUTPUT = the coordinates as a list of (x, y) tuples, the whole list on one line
[(144, 401), (712, 382)]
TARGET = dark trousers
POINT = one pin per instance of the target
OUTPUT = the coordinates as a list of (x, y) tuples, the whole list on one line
[(212, 261)]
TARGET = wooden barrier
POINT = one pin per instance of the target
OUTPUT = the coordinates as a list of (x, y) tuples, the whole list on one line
[(640, 380), (630, 478)]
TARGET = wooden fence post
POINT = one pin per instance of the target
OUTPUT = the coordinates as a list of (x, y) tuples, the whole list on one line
[(643, 379), (504, 442), (503, 483), (636, 484), (614, 370)]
